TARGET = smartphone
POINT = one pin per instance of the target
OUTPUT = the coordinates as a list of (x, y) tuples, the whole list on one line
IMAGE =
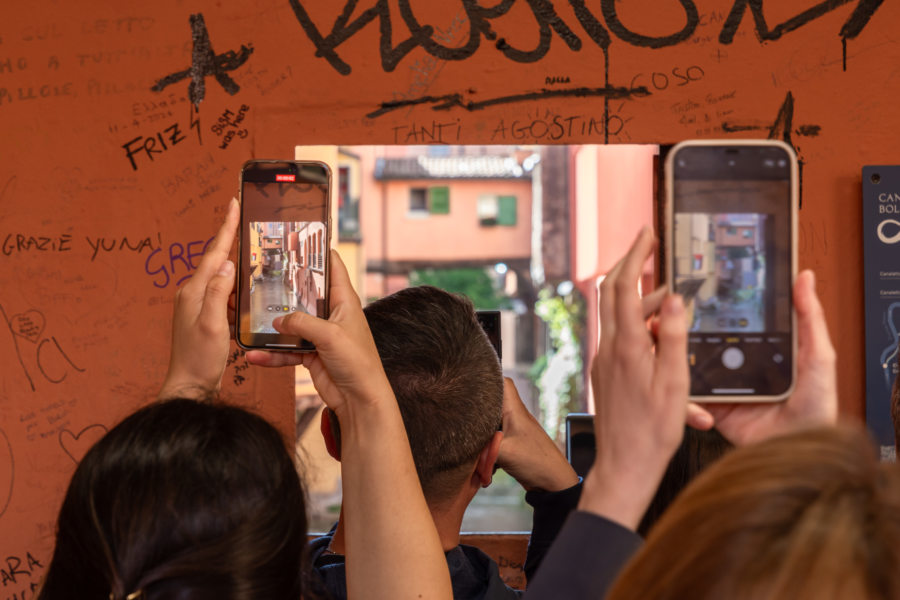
[(490, 323), (731, 252), (581, 445), (283, 261)]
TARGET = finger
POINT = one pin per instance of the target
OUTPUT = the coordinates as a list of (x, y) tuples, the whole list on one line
[(812, 330), (719, 411), (220, 247), (342, 292), (608, 299), (698, 417), (651, 302), (629, 312), (264, 358), (215, 301), (511, 398), (671, 351), (303, 325)]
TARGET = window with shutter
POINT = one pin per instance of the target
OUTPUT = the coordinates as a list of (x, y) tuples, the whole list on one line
[(439, 200), (506, 210)]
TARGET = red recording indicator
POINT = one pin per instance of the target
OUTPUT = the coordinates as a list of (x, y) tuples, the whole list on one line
[(290, 177)]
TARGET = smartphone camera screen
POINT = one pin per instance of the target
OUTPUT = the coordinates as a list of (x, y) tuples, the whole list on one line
[(284, 249), (732, 262)]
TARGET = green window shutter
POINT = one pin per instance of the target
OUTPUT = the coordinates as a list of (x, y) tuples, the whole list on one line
[(439, 200), (506, 210)]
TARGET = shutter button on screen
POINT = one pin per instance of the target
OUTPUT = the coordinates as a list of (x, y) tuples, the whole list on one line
[(733, 358)]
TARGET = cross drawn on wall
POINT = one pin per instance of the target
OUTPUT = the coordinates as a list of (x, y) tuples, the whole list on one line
[(205, 62)]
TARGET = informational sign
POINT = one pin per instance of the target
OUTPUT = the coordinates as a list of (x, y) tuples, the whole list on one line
[(881, 247)]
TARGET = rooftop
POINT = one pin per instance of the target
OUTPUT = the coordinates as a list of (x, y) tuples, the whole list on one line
[(454, 167)]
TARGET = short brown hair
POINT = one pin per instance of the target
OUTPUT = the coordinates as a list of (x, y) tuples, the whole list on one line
[(808, 515), (446, 377)]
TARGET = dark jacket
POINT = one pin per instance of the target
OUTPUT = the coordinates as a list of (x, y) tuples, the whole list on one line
[(473, 574)]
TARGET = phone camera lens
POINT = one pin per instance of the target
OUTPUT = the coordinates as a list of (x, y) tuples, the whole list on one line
[(876, 178)]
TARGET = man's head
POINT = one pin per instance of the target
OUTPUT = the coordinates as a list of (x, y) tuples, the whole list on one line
[(447, 380)]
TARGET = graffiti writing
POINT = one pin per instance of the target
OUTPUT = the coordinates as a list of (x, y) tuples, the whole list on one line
[(205, 63), (548, 22), (24, 574), (229, 125), (21, 243), (46, 353), (177, 264)]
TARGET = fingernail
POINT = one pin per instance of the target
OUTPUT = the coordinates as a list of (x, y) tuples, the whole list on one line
[(276, 322), (227, 268), (812, 276)]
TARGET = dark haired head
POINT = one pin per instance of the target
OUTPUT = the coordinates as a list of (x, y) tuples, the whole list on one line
[(182, 499), (446, 377)]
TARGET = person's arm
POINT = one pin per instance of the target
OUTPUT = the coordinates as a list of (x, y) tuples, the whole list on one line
[(585, 559), (392, 547), (200, 331), (641, 395), (550, 511), (529, 455), (641, 392)]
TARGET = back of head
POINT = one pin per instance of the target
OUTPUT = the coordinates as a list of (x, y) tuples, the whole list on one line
[(182, 499), (446, 377), (808, 515)]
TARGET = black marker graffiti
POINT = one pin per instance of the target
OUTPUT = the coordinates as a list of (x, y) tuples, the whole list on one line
[(29, 326), (204, 62), (239, 361), (781, 128), (171, 134), (852, 27), (18, 572), (229, 125), (20, 243), (75, 445), (109, 245), (549, 22), (449, 101)]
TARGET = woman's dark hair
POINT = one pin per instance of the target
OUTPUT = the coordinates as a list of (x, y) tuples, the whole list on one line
[(183, 499)]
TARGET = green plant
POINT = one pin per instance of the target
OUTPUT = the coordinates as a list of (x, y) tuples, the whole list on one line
[(557, 375), (473, 282)]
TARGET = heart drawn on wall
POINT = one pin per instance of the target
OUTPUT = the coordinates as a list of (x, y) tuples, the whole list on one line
[(29, 325), (76, 445)]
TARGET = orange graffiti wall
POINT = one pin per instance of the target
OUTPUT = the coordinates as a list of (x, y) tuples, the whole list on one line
[(125, 124)]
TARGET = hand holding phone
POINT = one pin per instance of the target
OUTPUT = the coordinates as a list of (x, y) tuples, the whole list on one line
[(731, 252), (284, 251)]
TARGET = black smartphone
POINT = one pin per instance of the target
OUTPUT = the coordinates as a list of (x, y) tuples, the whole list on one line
[(581, 445), (731, 252), (490, 323), (283, 261)]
